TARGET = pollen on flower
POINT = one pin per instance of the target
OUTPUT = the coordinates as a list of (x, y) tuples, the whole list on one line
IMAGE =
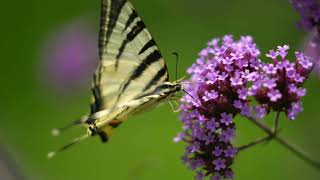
[(229, 79)]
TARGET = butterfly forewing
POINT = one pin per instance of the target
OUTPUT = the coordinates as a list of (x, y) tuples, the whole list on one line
[(130, 62)]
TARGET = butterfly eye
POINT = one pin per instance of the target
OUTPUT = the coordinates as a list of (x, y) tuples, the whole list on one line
[(178, 87)]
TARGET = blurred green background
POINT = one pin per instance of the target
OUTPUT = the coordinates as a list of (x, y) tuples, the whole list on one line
[(31, 105)]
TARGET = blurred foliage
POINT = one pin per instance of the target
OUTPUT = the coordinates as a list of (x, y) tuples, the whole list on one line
[(142, 148)]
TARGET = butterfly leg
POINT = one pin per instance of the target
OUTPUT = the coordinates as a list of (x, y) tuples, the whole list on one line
[(173, 109), (58, 131)]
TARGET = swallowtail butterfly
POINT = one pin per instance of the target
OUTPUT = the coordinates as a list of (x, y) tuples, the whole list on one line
[(131, 76)]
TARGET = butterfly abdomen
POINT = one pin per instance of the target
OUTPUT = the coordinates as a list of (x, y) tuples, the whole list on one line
[(104, 132)]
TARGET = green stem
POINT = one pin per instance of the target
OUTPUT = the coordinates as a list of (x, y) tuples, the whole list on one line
[(276, 123), (253, 143), (295, 150), (263, 139)]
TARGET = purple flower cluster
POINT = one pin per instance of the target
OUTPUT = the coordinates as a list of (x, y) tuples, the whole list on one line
[(228, 79), (313, 51), (309, 11)]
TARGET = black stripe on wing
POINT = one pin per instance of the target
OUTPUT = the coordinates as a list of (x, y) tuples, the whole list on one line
[(147, 46), (131, 18), (138, 28), (115, 9), (156, 78), (102, 32), (157, 90), (97, 104), (150, 59)]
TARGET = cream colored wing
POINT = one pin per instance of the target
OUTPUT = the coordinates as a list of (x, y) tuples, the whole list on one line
[(130, 62)]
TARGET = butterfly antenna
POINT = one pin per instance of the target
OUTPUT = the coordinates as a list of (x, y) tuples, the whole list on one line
[(58, 131), (67, 146), (177, 58), (188, 94)]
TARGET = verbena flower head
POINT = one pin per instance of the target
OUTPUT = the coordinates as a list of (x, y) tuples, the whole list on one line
[(313, 51), (309, 11), (229, 79)]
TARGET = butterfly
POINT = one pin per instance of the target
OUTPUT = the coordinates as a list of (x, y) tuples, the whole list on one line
[(131, 76)]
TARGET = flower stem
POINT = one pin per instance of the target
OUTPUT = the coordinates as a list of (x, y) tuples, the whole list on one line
[(295, 150), (276, 123), (251, 144), (263, 139)]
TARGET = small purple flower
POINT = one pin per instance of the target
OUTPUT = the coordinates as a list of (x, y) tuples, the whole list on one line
[(304, 61), (236, 55), (269, 83), (217, 151), (219, 164), (301, 92), (229, 175), (179, 137), (212, 125), (223, 76), (291, 73), (252, 76), (208, 139), (235, 81), (226, 119), (228, 39), (210, 95), (227, 61), (246, 111), (270, 69), (243, 92), (294, 110), (298, 78), (230, 152), (229, 68), (272, 54), (195, 147), (227, 135), (260, 112), (214, 42), (283, 50), (238, 104), (255, 63), (274, 95)]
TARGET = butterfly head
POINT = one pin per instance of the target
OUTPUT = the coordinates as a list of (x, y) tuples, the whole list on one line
[(176, 86)]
